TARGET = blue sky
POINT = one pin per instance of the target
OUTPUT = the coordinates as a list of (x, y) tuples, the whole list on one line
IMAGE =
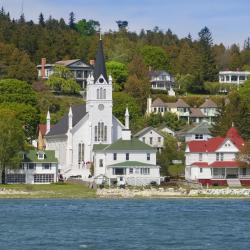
[(228, 20)]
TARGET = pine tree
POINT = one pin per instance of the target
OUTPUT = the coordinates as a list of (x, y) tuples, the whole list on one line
[(41, 20), (72, 20), (209, 71)]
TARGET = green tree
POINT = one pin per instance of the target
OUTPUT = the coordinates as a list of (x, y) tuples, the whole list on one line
[(62, 80), (209, 70), (11, 141), (72, 20), (87, 28), (118, 71), (120, 102), (41, 20), (155, 57), (170, 152), (13, 90)]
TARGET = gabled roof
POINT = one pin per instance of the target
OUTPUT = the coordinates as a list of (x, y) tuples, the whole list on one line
[(49, 157), (181, 104), (100, 68), (196, 112), (211, 145), (158, 103), (209, 104), (156, 73), (131, 164), (208, 146), (61, 127), (234, 136), (202, 128), (129, 145), (67, 62), (146, 130)]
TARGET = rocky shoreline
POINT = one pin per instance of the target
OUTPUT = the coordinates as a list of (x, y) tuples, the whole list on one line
[(172, 192)]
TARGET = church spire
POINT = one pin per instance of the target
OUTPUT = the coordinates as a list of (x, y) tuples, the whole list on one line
[(100, 67)]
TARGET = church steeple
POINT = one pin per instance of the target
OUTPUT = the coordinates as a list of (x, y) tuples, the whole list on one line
[(100, 68)]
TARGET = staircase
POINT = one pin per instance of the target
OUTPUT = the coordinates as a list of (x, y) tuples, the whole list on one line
[(233, 183)]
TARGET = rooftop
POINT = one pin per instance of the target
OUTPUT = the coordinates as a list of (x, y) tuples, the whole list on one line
[(49, 157)]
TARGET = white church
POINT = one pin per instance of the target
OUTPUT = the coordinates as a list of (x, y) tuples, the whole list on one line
[(91, 135)]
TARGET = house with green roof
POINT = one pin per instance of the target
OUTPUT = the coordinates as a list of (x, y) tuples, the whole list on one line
[(37, 167), (127, 161)]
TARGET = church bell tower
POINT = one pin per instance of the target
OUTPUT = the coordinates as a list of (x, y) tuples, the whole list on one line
[(99, 101)]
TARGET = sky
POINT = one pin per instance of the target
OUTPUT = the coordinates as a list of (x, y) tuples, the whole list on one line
[(228, 20)]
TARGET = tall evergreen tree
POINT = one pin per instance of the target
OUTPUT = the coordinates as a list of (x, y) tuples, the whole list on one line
[(72, 20), (41, 20), (209, 71)]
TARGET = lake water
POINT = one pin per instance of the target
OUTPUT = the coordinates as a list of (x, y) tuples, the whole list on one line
[(125, 224)]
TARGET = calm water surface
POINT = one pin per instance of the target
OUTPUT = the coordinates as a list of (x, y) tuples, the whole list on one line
[(125, 224)]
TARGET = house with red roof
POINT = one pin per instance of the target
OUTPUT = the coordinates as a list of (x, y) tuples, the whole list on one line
[(213, 161)]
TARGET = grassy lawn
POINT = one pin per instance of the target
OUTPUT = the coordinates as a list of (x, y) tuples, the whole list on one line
[(74, 191)]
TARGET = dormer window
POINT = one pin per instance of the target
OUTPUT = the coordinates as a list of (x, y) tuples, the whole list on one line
[(40, 155)]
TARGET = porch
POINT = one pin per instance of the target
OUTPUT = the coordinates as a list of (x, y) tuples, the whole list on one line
[(230, 173)]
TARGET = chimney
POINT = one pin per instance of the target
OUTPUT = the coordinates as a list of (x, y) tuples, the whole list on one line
[(43, 63), (92, 62)]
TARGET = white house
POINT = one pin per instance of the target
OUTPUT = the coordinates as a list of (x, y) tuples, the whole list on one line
[(233, 77), (151, 137), (126, 161), (87, 126), (37, 167), (213, 161), (161, 80), (201, 132)]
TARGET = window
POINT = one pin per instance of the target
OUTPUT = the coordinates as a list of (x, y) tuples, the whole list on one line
[(43, 178), (155, 109), (244, 171), (101, 132), (131, 170), (198, 137), (127, 156), (137, 170), (115, 156), (31, 166), (80, 153), (159, 139), (151, 140), (219, 156), (15, 178), (98, 94), (234, 78), (145, 171), (46, 166), (101, 163), (148, 156), (40, 155), (242, 78), (201, 170), (79, 74), (200, 156), (119, 171)]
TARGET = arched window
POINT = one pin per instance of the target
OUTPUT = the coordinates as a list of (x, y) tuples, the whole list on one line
[(101, 132), (104, 93), (101, 93), (80, 153), (98, 94)]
